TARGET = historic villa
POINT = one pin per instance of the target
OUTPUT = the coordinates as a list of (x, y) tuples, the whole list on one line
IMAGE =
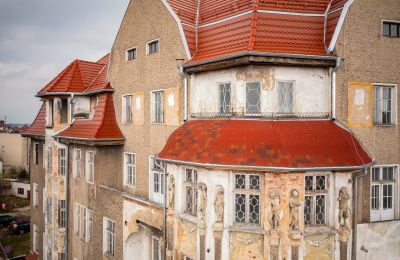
[(235, 129)]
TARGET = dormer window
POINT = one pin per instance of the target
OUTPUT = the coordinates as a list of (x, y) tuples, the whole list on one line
[(153, 47)]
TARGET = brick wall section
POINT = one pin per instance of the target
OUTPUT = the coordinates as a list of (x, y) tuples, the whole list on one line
[(370, 57), (37, 174), (146, 73)]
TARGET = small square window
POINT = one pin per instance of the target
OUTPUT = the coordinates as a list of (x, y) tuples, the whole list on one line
[(131, 54), (153, 47), (391, 29)]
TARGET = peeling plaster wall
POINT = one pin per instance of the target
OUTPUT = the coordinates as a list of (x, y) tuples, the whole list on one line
[(311, 91), (380, 239)]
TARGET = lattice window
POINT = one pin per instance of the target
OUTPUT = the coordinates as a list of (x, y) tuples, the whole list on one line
[(315, 199), (225, 97), (285, 97), (191, 191), (247, 199), (253, 98)]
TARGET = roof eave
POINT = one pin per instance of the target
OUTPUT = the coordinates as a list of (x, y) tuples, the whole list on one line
[(36, 136), (91, 141), (269, 168), (50, 94), (252, 57)]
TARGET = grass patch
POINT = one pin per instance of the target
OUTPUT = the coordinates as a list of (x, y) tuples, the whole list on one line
[(19, 244)]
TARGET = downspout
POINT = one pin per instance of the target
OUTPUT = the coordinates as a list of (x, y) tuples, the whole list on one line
[(165, 208), (355, 213), (185, 94), (333, 87), (67, 204)]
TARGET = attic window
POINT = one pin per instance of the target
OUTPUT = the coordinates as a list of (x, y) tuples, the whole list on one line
[(131, 54), (391, 29), (64, 111), (153, 47)]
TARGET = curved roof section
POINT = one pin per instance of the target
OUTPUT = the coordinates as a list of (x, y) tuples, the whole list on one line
[(79, 77), (38, 127), (103, 125), (265, 144), (220, 28)]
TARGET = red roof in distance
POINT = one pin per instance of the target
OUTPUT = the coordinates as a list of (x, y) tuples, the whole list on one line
[(38, 127), (267, 144), (103, 125)]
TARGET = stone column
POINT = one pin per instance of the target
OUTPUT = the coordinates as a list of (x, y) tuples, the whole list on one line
[(344, 234), (218, 232), (295, 237), (274, 242), (202, 243)]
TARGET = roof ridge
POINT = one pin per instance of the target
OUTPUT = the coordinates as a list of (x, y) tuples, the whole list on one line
[(80, 73), (61, 75), (253, 25)]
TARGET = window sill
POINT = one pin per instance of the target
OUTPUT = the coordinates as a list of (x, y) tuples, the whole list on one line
[(385, 125), (247, 229), (154, 123), (318, 230), (188, 217)]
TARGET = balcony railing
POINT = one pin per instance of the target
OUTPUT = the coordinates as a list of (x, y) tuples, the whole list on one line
[(304, 115)]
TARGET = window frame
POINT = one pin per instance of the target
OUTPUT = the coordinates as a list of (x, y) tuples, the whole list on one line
[(77, 164), (109, 245), (390, 23), (195, 191), (314, 193), (159, 248), (127, 53), (293, 83), (247, 192), (222, 107), (153, 110), (62, 162), (20, 191), (124, 109), (62, 207), (159, 196), (89, 165), (394, 106), (378, 215), (148, 46), (126, 176), (260, 99)]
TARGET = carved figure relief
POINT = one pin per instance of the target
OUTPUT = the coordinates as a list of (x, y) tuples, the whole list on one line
[(276, 212), (203, 203), (171, 192), (219, 204), (294, 209), (344, 211)]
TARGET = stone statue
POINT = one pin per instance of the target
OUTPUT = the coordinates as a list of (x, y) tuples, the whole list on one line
[(219, 204), (275, 215), (203, 203), (171, 191), (294, 206), (344, 211)]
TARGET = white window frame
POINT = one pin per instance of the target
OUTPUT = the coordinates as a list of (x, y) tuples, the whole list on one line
[(314, 193), (148, 46), (192, 185), (62, 207), (89, 167), (126, 120), (127, 54), (394, 104), (154, 257), (153, 106), (381, 214), (77, 163), (89, 226), (156, 196), (246, 104), (62, 162), (108, 237), (77, 219), (247, 192), (127, 178), (35, 195), (293, 83), (224, 107)]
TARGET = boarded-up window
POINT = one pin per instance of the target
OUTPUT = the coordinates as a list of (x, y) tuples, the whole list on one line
[(360, 104), (285, 97)]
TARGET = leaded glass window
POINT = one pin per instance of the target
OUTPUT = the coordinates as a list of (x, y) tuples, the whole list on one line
[(315, 199), (247, 199), (191, 191), (253, 98), (225, 97)]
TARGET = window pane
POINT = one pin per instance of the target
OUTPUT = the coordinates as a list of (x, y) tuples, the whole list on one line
[(375, 197), (394, 30), (225, 98), (285, 97), (254, 182), (253, 98), (387, 196), (309, 183), (156, 182), (320, 183), (240, 181), (240, 208), (156, 249), (386, 29), (375, 174), (308, 201), (159, 107), (189, 200), (377, 106), (254, 209), (320, 209)]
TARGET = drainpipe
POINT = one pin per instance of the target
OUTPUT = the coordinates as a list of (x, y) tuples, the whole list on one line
[(67, 202), (355, 213), (165, 208), (185, 94), (333, 87)]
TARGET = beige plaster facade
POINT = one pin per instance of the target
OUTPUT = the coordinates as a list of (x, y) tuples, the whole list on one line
[(13, 150)]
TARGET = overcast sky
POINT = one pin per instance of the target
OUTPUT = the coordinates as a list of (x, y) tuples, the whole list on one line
[(38, 38)]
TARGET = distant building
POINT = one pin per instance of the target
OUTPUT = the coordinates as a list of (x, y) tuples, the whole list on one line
[(13, 150), (21, 188)]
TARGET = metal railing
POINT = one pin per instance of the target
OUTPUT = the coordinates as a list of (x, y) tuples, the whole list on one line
[(263, 115)]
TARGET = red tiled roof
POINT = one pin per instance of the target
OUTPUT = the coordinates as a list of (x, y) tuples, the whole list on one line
[(269, 144), (78, 77), (38, 127), (228, 27), (103, 125)]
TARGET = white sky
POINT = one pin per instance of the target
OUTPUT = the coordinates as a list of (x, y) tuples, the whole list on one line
[(38, 38)]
